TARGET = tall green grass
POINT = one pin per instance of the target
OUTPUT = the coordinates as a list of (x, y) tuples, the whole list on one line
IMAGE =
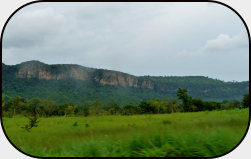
[(203, 134)]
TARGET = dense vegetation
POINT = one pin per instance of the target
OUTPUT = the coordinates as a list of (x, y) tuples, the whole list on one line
[(78, 91), (75, 91), (195, 134), (184, 103)]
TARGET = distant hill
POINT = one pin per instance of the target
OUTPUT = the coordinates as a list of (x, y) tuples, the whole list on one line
[(77, 84)]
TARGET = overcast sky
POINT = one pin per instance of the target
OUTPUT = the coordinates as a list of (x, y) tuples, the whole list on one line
[(167, 39)]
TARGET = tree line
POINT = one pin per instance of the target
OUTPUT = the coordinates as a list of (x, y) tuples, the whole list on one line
[(183, 103)]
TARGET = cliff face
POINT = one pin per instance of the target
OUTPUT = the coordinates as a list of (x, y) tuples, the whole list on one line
[(35, 69), (125, 80)]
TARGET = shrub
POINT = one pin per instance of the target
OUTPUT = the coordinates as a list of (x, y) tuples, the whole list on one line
[(166, 122), (75, 123), (33, 121)]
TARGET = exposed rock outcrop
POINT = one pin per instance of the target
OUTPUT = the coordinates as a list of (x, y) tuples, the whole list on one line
[(35, 69)]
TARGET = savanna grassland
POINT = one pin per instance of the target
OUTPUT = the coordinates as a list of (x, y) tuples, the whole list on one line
[(203, 134)]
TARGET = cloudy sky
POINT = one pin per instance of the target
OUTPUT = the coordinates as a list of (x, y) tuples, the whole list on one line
[(167, 39)]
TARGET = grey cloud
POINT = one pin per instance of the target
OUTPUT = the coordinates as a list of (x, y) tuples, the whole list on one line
[(224, 42), (33, 28), (137, 38)]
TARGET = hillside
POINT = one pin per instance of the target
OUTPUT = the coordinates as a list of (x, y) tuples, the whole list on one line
[(77, 84)]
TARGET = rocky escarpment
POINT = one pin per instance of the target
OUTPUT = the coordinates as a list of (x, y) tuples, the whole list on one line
[(36, 69), (125, 80)]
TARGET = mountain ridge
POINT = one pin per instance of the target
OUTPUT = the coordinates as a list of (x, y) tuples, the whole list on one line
[(109, 81)]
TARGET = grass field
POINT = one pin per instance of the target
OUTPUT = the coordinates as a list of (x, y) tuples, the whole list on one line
[(204, 134)]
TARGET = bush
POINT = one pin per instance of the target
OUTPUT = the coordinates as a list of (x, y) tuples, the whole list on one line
[(33, 121), (75, 123), (86, 111)]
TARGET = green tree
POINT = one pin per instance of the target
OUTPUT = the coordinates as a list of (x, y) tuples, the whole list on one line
[(158, 106), (186, 99), (198, 103), (211, 105), (34, 107), (61, 109), (17, 104), (234, 104), (95, 107), (145, 107), (172, 105), (86, 111), (130, 109), (33, 111), (3, 103), (245, 101), (48, 107), (69, 110)]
